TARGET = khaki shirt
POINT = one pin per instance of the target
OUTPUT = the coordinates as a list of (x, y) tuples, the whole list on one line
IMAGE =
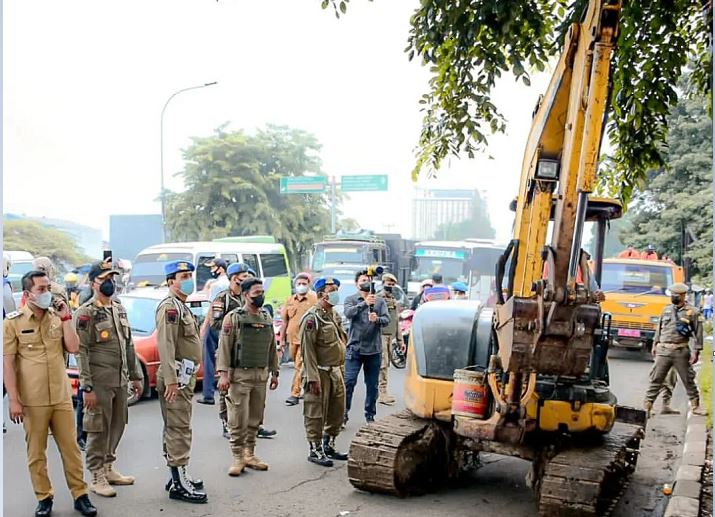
[(177, 337), (58, 291), (292, 313), (224, 303), (231, 335), (106, 350), (323, 341), (666, 331), (392, 328), (38, 347)]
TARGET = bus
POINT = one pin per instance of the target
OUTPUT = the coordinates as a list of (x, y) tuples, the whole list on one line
[(268, 260), (472, 261)]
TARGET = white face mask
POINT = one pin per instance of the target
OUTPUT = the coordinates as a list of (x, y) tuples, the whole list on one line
[(333, 298), (43, 300), (301, 289)]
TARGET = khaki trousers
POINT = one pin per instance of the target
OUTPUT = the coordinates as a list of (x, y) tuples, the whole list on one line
[(105, 425), (297, 356), (668, 384), (668, 357), (323, 414), (245, 401), (60, 420), (177, 424), (385, 364)]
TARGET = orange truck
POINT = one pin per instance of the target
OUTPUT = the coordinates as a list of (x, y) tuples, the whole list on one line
[(636, 292)]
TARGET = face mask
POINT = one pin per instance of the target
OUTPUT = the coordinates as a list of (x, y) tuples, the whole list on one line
[(187, 286), (388, 288), (215, 273), (676, 299), (107, 287), (365, 286), (259, 300), (333, 298), (301, 289), (43, 300)]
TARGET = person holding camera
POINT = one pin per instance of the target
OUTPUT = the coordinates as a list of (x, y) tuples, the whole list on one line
[(679, 324), (367, 315)]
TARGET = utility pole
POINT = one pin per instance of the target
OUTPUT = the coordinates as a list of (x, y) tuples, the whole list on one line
[(332, 206)]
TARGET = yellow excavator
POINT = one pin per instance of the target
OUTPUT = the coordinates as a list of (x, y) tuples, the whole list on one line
[(527, 378)]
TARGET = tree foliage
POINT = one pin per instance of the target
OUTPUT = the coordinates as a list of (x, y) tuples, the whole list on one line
[(41, 240), (680, 192), (470, 44), (478, 226), (232, 188)]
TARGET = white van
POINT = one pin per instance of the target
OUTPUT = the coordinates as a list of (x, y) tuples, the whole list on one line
[(268, 260), (21, 264)]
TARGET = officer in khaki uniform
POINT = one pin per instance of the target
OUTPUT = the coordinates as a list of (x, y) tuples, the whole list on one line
[(323, 341), (389, 332), (291, 314), (246, 355), (106, 362), (667, 390), (179, 356), (35, 338), (679, 323), (225, 302)]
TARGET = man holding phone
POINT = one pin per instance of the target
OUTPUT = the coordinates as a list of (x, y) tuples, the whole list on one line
[(35, 339)]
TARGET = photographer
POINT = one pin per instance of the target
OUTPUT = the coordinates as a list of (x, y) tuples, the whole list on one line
[(367, 315)]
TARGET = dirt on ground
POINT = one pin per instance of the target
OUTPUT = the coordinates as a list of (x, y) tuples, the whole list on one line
[(706, 492)]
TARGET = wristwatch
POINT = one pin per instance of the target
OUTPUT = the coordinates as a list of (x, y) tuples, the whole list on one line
[(87, 389)]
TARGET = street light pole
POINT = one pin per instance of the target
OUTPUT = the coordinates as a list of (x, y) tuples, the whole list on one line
[(161, 149)]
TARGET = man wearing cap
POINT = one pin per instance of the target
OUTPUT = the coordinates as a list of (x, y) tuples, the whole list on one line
[(323, 346), (179, 356), (34, 373), (679, 324), (106, 363), (219, 284), (291, 314), (460, 290), (246, 357), (390, 332)]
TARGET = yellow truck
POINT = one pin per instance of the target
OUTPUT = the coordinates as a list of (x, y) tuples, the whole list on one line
[(636, 293)]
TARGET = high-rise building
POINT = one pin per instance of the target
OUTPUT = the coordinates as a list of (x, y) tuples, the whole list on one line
[(432, 208)]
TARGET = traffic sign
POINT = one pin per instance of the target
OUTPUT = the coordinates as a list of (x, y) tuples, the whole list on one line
[(303, 184), (364, 183)]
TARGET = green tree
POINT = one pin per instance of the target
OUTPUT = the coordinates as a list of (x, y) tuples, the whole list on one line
[(232, 189), (680, 193), (478, 226), (469, 45), (41, 240)]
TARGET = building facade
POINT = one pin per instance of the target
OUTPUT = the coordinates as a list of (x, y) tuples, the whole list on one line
[(435, 208)]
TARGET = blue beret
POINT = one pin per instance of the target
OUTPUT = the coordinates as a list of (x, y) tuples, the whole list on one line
[(239, 267), (325, 280), (460, 287), (177, 266)]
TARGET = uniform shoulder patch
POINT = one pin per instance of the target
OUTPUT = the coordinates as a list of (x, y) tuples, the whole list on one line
[(12, 315), (310, 322), (83, 321), (172, 315), (227, 326)]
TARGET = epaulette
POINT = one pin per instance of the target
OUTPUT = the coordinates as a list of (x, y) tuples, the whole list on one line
[(12, 315)]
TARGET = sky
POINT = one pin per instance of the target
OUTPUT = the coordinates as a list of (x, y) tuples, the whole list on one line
[(85, 82)]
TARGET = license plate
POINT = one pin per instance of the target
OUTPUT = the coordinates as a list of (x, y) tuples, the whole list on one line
[(629, 332)]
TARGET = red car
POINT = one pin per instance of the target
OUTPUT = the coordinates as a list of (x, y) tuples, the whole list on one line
[(141, 304)]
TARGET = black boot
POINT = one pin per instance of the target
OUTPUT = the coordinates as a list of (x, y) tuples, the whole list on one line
[(196, 484), (265, 433), (83, 505), (182, 490), (317, 455), (330, 451), (44, 508)]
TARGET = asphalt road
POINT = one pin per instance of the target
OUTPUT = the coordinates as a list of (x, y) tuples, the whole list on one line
[(294, 487)]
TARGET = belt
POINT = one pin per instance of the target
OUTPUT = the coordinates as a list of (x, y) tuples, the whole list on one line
[(674, 346), (327, 368)]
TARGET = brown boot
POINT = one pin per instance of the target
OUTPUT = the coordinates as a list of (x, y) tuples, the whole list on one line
[(238, 465), (667, 410), (252, 462), (114, 477), (696, 408), (386, 399), (99, 484)]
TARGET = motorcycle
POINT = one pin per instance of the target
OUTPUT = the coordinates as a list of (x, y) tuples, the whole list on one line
[(398, 353)]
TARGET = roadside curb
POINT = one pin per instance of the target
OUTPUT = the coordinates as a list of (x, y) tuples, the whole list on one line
[(685, 501)]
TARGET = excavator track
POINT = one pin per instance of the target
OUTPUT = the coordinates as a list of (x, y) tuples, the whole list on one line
[(399, 455), (588, 480)]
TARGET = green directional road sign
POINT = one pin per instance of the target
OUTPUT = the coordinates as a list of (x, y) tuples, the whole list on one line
[(303, 184), (364, 183)]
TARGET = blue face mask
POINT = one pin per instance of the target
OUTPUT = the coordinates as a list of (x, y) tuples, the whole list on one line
[(333, 298), (187, 286)]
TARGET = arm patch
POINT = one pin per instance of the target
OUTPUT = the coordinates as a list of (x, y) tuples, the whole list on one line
[(83, 322), (310, 324), (172, 316), (227, 327)]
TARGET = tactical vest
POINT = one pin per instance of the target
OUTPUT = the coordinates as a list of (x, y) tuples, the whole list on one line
[(224, 303), (253, 339), (391, 328)]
